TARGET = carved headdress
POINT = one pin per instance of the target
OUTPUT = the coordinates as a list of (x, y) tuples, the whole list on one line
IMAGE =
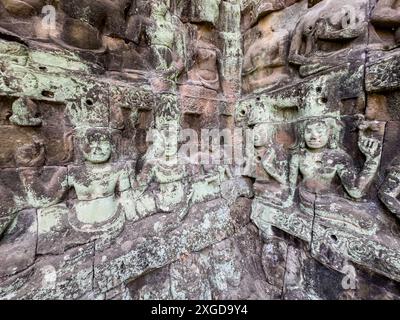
[(167, 112)]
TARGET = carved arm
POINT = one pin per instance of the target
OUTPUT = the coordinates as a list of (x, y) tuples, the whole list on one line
[(356, 185), (390, 190), (270, 166), (294, 167)]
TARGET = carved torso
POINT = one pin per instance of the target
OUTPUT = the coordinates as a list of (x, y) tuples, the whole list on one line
[(205, 69), (318, 169), (264, 62), (94, 182)]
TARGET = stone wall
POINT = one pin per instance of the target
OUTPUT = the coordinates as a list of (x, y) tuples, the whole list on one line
[(111, 189)]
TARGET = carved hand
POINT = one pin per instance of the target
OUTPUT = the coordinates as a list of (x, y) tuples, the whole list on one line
[(370, 147)]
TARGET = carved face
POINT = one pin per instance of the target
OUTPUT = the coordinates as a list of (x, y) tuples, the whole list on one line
[(316, 135), (259, 136), (170, 137), (160, 8), (97, 147)]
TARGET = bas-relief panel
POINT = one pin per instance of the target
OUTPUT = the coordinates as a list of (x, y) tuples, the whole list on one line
[(341, 198), (91, 200)]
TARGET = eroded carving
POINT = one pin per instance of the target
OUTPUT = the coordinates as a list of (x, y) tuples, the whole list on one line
[(86, 22), (99, 185), (96, 184), (265, 60), (164, 40), (23, 8), (319, 159), (24, 113), (327, 33), (386, 16), (206, 56), (390, 188)]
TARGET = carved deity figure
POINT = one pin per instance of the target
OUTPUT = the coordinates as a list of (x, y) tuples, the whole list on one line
[(386, 15), (265, 60), (204, 71), (268, 160), (131, 53), (167, 173), (165, 169), (162, 180), (96, 183), (267, 164), (164, 39), (31, 155), (323, 35), (43, 186), (390, 189), (319, 161), (37, 186)]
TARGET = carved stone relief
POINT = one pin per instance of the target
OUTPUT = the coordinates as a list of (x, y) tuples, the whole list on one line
[(385, 19), (217, 149), (327, 33), (341, 215)]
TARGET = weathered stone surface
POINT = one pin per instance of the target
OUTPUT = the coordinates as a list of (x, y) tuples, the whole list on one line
[(265, 62), (229, 270), (164, 243), (216, 149), (51, 275), (330, 34), (19, 244)]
